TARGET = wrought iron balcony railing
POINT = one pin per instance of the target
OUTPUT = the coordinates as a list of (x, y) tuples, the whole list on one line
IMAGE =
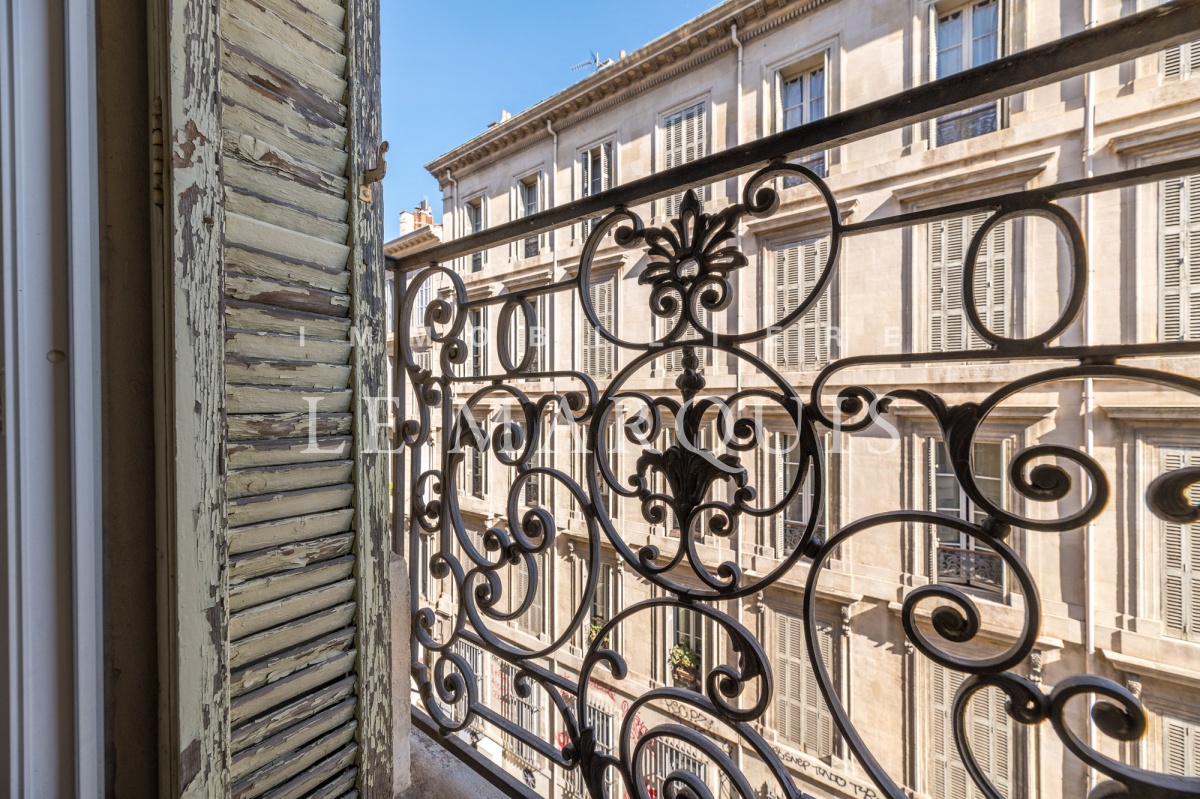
[(694, 456)]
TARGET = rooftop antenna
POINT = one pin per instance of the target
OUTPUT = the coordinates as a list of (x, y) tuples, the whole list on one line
[(593, 62)]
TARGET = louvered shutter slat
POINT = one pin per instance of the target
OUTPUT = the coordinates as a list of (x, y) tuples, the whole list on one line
[(1175, 747), (1171, 253)]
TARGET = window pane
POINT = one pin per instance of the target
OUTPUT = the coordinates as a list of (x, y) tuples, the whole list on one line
[(793, 102), (985, 33), (816, 95), (949, 44)]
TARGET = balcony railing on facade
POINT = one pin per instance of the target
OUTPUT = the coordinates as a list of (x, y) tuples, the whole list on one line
[(495, 566)]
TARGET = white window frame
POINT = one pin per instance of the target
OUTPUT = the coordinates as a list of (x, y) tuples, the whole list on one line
[(804, 69), (475, 262), (530, 246), (780, 443), (668, 207), (966, 510), (967, 11), (583, 179)]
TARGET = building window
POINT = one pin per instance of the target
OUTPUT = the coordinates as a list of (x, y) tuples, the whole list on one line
[(477, 342), (603, 726), (475, 224), (965, 38), (688, 655), (524, 713), (1179, 259), (1181, 559), (802, 717), (959, 558), (991, 739), (537, 491), (790, 524), (1181, 61), (800, 99), (804, 344), (535, 329), (597, 351), (666, 757), (423, 577), (474, 657), (528, 197), (595, 176), (1181, 747), (949, 240), (533, 619), (478, 477), (684, 140)]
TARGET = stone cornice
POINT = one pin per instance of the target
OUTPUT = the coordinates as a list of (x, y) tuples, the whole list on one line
[(703, 38), (1159, 142), (940, 189), (793, 215)]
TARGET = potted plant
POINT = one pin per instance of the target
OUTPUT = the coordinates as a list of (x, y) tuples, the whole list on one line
[(594, 630), (685, 667)]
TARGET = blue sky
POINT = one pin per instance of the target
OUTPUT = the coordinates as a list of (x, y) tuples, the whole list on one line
[(450, 67)]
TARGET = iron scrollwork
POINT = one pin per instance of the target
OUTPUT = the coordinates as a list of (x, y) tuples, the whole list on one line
[(690, 266)]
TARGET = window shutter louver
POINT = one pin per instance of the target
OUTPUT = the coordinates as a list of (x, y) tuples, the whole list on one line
[(1192, 329), (1172, 61), (1172, 223), (948, 243), (684, 140), (937, 286), (802, 716), (1181, 560), (990, 734), (781, 487), (1181, 747)]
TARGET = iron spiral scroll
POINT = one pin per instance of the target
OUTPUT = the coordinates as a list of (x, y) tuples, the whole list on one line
[(688, 278)]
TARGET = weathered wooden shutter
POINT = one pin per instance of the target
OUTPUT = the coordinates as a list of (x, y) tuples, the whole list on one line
[(1181, 560), (990, 731), (1179, 259), (277, 551)]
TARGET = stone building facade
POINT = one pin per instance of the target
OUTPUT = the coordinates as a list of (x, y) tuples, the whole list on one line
[(1119, 597)]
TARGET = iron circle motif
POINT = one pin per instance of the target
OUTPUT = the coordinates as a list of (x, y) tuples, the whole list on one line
[(1066, 224)]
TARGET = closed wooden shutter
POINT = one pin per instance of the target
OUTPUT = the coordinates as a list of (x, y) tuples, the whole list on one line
[(1181, 560), (948, 243), (1182, 60), (1179, 259), (990, 733), (1181, 747), (798, 266), (531, 620), (684, 140), (271, 111), (802, 717), (597, 352)]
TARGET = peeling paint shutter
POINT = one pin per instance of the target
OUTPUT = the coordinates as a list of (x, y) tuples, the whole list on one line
[(1179, 259), (292, 120)]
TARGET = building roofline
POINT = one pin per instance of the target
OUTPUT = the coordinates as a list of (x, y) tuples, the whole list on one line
[(694, 42), (414, 241)]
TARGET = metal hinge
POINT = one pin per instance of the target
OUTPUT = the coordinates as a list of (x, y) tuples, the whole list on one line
[(156, 151), (373, 175)]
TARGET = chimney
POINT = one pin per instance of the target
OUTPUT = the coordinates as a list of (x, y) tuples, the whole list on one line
[(422, 216), (504, 115)]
